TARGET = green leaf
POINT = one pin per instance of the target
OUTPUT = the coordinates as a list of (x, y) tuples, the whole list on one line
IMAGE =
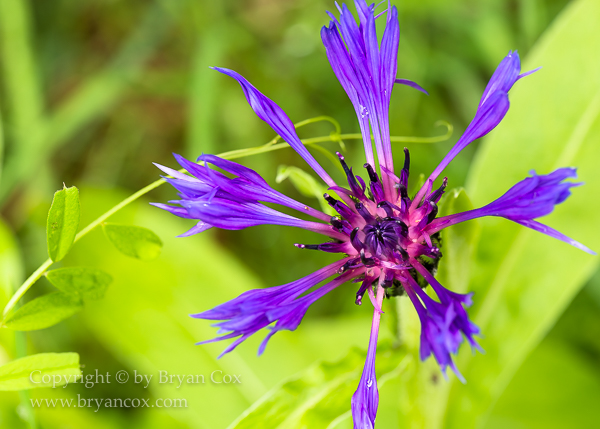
[(43, 312), (321, 394), (150, 315), (41, 370), (567, 399), (458, 242), (423, 386), (63, 221), (306, 184), (134, 241), (524, 280), (88, 283), (11, 269)]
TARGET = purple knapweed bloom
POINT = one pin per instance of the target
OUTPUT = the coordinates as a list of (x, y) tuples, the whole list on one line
[(390, 240)]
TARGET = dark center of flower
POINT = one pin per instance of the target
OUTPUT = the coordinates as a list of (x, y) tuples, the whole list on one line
[(385, 228)]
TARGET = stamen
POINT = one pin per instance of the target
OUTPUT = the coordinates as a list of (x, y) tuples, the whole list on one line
[(405, 171), (367, 283), (386, 206), (372, 174), (366, 215), (336, 223), (366, 261), (330, 199), (307, 246), (356, 189), (434, 211), (403, 227), (356, 243), (437, 194), (388, 280), (339, 207)]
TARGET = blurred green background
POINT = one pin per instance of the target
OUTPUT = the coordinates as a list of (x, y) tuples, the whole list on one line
[(93, 92)]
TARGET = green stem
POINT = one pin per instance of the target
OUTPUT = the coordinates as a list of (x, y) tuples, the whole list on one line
[(269, 147)]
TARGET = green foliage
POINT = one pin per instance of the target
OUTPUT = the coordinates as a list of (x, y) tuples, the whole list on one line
[(10, 261), (33, 372), (422, 386), (88, 283), (62, 223), (555, 388), (77, 103), (305, 183), (524, 279), (150, 304), (458, 242), (134, 241), (43, 312), (321, 394)]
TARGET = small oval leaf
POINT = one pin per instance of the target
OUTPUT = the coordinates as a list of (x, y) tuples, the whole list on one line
[(63, 221), (88, 283), (43, 312), (28, 372), (133, 241)]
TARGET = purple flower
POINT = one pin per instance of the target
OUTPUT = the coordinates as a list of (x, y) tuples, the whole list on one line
[(388, 239)]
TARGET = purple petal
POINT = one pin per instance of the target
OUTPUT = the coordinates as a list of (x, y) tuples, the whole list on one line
[(544, 229), (256, 309), (492, 107), (272, 114), (529, 199), (412, 85), (365, 400), (200, 227)]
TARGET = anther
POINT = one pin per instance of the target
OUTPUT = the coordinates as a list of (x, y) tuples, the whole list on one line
[(403, 252), (402, 190), (336, 222), (435, 196), (356, 243), (368, 217), (329, 199), (343, 162), (403, 226), (307, 246), (406, 160), (388, 280), (387, 208), (372, 174), (433, 213), (366, 261)]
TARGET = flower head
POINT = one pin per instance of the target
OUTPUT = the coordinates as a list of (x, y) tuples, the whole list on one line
[(388, 240)]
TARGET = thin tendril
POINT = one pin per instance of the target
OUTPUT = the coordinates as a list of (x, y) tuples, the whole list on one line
[(335, 136)]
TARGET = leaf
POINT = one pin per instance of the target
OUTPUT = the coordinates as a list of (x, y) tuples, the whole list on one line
[(524, 279), (88, 283), (134, 241), (148, 304), (423, 385), (319, 395), (458, 243), (43, 312), (11, 270), (41, 370), (63, 221), (306, 184), (567, 399)]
